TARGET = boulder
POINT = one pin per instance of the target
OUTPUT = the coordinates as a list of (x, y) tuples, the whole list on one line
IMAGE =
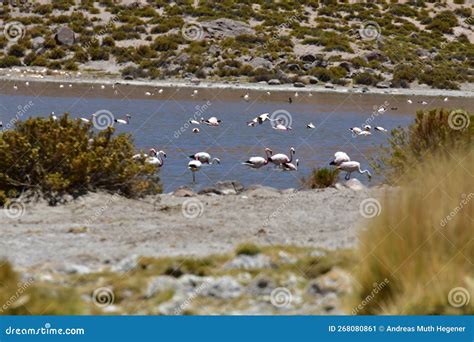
[(274, 81), (293, 67), (329, 86), (346, 65), (184, 192), (383, 85), (375, 55), (248, 262), (299, 85), (355, 184), (259, 62), (65, 36), (224, 188), (223, 28), (160, 284), (309, 58), (37, 43), (310, 79), (224, 287)]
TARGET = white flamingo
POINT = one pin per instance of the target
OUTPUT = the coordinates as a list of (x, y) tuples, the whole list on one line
[(352, 166), (147, 93), (380, 128), (256, 162), (194, 166), (409, 101), (157, 159), (124, 121), (196, 130), (290, 166), (281, 127), (194, 122), (152, 152), (310, 126), (247, 97), (53, 116), (160, 91), (205, 158), (212, 121), (365, 133), (355, 130), (279, 158), (367, 127), (339, 158), (445, 99)]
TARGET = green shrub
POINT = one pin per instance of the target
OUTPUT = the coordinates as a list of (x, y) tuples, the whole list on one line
[(9, 61), (67, 156), (321, 178), (443, 22), (247, 249), (430, 134), (367, 78)]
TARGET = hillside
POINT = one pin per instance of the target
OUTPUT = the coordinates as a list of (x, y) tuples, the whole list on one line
[(385, 43)]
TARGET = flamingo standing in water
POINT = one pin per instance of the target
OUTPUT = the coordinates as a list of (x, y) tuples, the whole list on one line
[(290, 166), (156, 159), (352, 166), (256, 162), (205, 158), (279, 158), (212, 121), (124, 121)]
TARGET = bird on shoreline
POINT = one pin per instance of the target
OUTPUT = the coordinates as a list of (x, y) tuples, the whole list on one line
[(352, 166)]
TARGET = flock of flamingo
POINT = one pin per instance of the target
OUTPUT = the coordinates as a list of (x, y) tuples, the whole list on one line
[(280, 160)]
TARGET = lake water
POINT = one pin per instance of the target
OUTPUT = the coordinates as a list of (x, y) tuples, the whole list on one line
[(161, 124)]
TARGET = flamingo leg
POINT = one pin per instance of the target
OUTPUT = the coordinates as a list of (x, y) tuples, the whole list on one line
[(194, 177)]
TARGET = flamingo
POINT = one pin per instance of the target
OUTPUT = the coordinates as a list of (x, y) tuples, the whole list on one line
[(87, 120), (352, 166), (125, 121), (147, 93), (339, 158), (102, 86), (310, 95), (247, 97), (61, 86), (355, 130), (205, 158), (279, 158), (296, 94), (194, 122), (290, 166), (27, 83), (160, 91), (367, 127), (290, 100), (310, 126), (194, 166), (53, 116), (259, 119), (15, 87), (152, 153), (409, 101), (196, 130), (157, 159), (365, 133), (379, 128), (281, 127), (194, 93), (212, 121), (256, 162), (445, 99)]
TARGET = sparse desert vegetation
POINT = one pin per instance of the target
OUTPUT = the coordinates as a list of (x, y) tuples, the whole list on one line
[(340, 42)]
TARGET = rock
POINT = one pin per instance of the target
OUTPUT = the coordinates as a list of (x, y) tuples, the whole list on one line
[(224, 287), (65, 36), (317, 254), (335, 281), (258, 191), (329, 86), (248, 262), (215, 50), (422, 53), (309, 79), (375, 55), (224, 188), (346, 65), (76, 269), (383, 85), (354, 184), (298, 85), (274, 81), (285, 258), (310, 58), (37, 43), (126, 265), (339, 186), (184, 192), (259, 62), (293, 67), (223, 28), (307, 66), (195, 81), (162, 283), (261, 286), (182, 58)]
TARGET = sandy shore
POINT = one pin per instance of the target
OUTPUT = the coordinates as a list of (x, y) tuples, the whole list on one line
[(100, 229), (181, 89)]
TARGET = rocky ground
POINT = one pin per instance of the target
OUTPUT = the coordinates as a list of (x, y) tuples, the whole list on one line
[(176, 253), (382, 45)]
